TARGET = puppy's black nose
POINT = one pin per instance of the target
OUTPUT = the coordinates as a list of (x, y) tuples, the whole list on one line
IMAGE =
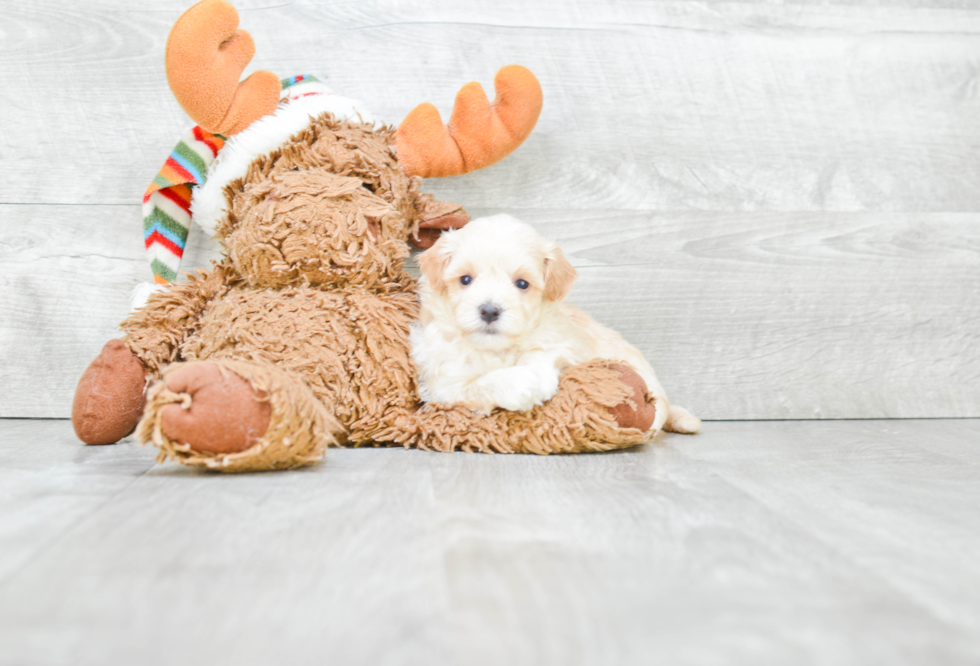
[(489, 313)]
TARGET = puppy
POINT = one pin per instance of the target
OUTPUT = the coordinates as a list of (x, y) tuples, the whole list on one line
[(493, 331)]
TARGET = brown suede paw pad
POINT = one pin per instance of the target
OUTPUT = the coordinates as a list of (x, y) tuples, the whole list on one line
[(110, 396), (635, 412), (223, 414)]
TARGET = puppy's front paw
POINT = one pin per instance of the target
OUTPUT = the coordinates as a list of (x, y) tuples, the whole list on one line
[(520, 388)]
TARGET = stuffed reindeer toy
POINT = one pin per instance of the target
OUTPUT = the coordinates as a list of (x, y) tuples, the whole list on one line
[(298, 338)]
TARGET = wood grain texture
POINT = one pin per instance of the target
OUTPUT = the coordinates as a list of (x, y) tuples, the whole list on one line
[(743, 315), (776, 202), (832, 543), (719, 105)]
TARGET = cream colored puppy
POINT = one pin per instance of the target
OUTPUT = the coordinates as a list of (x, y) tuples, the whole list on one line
[(493, 331)]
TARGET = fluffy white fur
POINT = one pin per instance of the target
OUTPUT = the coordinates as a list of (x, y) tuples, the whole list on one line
[(514, 361), (141, 294), (306, 101)]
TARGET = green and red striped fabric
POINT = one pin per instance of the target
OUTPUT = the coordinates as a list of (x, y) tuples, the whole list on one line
[(167, 201)]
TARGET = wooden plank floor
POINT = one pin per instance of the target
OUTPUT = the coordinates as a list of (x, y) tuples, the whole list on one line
[(795, 542)]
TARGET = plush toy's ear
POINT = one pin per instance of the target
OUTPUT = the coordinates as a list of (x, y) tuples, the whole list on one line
[(430, 230), (433, 264), (479, 133), (206, 53), (559, 275)]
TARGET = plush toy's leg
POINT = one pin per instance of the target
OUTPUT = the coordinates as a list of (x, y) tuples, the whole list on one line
[(599, 406), (236, 416), (109, 398)]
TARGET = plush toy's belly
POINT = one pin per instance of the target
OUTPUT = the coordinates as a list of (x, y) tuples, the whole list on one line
[(351, 346)]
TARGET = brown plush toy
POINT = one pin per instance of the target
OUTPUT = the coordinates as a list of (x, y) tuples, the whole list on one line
[(298, 339)]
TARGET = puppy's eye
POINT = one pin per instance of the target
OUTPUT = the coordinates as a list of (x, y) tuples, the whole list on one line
[(522, 284), (465, 280)]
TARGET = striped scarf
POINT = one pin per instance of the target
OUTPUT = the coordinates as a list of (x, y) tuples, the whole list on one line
[(167, 201)]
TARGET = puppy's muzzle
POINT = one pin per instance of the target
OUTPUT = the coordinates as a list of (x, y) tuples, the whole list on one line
[(490, 312)]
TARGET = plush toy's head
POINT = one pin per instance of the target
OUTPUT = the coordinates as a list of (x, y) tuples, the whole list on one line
[(330, 207), (314, 227), (247, 138)]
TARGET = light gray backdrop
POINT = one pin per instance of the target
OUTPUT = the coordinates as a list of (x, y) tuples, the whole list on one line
[(777, 202)]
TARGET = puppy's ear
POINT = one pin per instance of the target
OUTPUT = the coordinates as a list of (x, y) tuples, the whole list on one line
[(433, 263), (558, 275)]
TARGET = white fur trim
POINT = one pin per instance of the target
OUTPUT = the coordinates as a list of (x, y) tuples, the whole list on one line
[(304, 88), (208, 205), (141, 292)]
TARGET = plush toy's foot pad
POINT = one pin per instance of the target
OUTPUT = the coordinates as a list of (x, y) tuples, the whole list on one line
[(236, 416), (222, 413), (110, 397), (635, 412)]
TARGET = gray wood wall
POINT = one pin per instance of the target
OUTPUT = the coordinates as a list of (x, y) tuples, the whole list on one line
[(779, 203)]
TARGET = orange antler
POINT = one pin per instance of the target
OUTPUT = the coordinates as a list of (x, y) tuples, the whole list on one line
[(478, 134), (206, 53)]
